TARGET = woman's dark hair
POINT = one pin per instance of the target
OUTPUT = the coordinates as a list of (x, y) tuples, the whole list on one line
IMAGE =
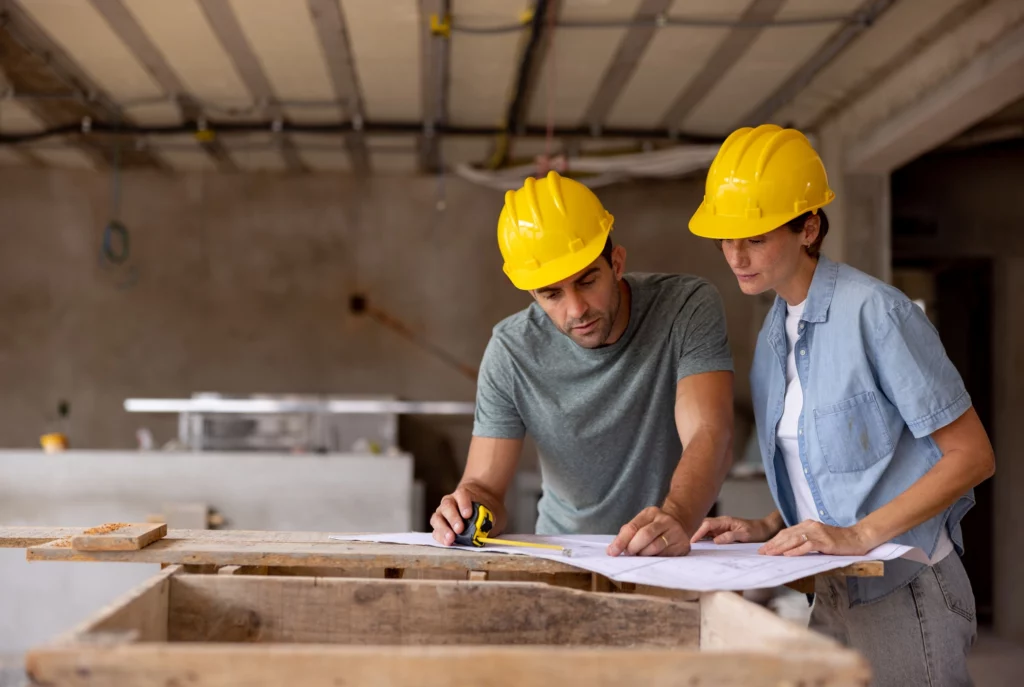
[(797, 225)]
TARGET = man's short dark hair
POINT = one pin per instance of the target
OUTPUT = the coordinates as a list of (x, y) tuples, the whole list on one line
[(606, 252)]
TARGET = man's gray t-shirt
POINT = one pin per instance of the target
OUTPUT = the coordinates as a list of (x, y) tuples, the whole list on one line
[(604, 418)]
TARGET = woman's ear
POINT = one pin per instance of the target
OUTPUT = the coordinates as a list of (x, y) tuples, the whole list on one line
[(812, 227)]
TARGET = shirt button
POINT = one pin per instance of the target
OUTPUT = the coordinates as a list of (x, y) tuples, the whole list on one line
[(821, 512), (803, 351), (801, 432), (806, 471)]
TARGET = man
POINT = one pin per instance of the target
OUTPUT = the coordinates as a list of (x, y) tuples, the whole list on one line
[(623, 381)]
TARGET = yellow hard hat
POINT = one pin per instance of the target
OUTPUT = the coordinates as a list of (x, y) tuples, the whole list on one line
[(549, 230), (760, 179)]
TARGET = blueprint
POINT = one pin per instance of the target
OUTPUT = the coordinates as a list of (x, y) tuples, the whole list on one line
[(708, 566)]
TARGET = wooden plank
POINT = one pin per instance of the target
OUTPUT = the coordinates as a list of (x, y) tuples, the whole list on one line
[(320, 666), (214, 608), (119, 537), (140, 614), (727, 621), (25, 537), (243, 570), (341, 554), (299, 551)]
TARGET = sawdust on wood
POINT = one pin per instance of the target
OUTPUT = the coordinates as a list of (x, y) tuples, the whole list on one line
[(65, 542), (106, 529)]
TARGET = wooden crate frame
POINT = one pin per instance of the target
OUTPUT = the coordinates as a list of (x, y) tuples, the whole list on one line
[(233, 628)]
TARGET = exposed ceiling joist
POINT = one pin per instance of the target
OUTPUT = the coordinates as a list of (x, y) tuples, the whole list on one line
[(868, 13), (333, 34), (991, 80), (727, 54), (26, 156), (530, 61), (954, 18), (625, 62), (435, 69), (231, 36), (127, 28), (34, 63)]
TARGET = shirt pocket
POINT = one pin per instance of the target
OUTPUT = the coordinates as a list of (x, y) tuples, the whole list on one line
[(852, 434)]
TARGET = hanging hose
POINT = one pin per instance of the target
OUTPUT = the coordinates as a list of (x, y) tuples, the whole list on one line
[(115, 246)]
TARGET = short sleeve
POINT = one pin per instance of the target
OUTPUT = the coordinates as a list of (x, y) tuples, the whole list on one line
[(914, 372), (702, 342), (496, 414)]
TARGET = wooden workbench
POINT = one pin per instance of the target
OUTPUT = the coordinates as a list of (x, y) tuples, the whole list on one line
[(296, 608)]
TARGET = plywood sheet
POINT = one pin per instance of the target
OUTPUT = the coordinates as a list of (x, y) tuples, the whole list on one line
[(385, 44), (86, 36), (775, 54), (285, 41), (673, 58), (183, 35), (483, 66), (579, 59)]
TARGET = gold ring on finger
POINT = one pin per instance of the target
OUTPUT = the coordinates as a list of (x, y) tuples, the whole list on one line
[(804, 536), (664, 540)]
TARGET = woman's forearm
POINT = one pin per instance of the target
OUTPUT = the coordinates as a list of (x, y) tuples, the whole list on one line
[(966, 462)]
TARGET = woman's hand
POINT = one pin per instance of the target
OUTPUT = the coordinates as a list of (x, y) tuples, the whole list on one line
[(727, 529), (813, 536)]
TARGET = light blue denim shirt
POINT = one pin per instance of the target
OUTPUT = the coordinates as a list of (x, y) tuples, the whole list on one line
[(876, 384)]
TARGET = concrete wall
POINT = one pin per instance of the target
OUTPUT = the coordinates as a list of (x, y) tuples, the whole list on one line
[(329, 494), (958, 204), (241, 283)]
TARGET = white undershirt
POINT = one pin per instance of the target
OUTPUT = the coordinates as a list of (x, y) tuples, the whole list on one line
[(789, 426), (788, 435)]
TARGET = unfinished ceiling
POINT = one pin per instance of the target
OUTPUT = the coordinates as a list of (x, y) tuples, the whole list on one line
[(360, 85)]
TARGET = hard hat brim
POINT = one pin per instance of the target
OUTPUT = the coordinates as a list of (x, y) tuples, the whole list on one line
[(557, 270), (711, 226)]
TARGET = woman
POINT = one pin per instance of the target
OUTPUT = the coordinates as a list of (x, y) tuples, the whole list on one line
[(866, 430)]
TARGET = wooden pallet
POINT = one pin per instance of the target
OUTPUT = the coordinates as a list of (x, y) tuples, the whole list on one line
[(229, 629)]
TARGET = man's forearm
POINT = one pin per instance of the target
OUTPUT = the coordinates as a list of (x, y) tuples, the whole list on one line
[(698, 477)]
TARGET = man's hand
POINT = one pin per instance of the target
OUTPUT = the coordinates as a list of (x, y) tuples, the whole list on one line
[(727, 529), (812, 536), (651, 533), (447, 519)]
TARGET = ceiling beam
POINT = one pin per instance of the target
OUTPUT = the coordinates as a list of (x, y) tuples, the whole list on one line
[(954, 18), (868, 13), (127, 28), (333, 33), (382, 128), (232, 37), (531, 59), (435, 69), (34, 63), (25, 155), (735, 44), (624, 64), (993, 79)]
